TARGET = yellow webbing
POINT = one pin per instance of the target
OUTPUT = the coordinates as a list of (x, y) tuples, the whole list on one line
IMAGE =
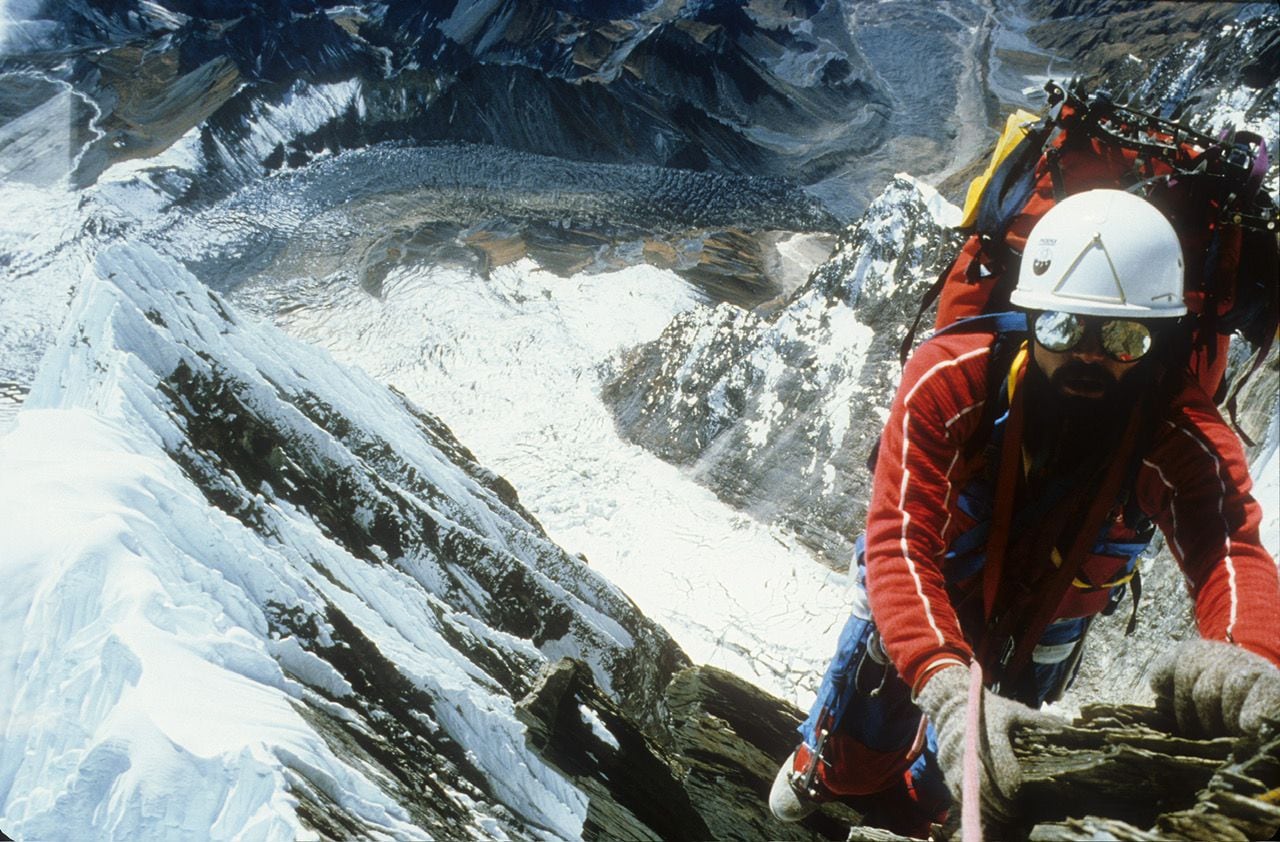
[(1019, 360), (1015, 129), (1080, 583)]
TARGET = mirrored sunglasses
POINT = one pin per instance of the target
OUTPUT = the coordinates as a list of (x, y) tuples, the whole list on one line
[(1124, 340)]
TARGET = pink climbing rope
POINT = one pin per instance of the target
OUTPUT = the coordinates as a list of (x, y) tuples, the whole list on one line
[(971, 788)]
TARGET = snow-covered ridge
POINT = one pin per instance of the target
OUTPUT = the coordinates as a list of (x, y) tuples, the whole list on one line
[(229, 560)]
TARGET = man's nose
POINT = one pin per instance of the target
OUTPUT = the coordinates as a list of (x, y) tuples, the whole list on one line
[(1090, 348)]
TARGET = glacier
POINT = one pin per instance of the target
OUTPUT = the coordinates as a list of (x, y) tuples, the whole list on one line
[(533, 349)]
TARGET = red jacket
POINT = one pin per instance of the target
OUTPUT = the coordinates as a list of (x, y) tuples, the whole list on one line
[(1193, 483)]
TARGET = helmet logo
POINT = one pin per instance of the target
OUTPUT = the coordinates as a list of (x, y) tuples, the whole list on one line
[(1040, 264)]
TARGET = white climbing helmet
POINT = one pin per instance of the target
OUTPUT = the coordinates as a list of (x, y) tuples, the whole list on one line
[(1102, 253)]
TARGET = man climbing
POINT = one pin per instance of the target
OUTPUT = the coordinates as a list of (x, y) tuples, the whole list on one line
[(1017, 480)]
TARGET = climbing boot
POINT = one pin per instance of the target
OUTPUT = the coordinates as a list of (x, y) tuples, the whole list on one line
[(787, 803)]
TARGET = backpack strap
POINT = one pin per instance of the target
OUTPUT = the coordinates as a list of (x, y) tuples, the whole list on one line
[(1012, 321), (1135, 589), (926, 301), (1013, 182), (1006, 486), (1252, 146), (1052, 160), (1020, 616), (1006, 346)]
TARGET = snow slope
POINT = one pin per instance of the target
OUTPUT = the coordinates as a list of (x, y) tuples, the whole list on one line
[(515, 365), (187, 600)]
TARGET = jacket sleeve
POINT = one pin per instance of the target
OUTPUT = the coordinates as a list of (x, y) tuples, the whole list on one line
[(908, 514), (1195, 484)]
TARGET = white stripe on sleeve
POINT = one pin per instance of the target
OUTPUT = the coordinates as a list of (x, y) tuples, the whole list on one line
[(906, 481)]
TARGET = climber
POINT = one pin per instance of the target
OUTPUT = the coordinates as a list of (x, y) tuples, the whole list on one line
[(1026, 460)]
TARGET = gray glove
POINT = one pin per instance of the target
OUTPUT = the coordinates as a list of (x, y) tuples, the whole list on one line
[(1217, 689), (945, 700)]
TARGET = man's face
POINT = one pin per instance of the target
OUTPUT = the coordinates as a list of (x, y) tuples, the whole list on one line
[(1081, 373), (1084, 373)]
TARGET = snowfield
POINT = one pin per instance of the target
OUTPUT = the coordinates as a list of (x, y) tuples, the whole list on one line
[(514, 364)]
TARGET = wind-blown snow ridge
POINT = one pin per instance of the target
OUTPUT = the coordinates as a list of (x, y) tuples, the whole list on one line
[(231, 561)]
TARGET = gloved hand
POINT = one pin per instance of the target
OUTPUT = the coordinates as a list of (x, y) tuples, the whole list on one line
[(945, 700), (1217, 689)]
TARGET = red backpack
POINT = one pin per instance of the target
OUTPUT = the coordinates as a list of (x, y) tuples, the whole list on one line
[(1210, 189)]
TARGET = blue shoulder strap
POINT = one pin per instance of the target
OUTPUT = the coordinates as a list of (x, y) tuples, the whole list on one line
[(1013, 321)]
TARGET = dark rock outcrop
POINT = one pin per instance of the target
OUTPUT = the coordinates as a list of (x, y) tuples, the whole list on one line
[(1173, 57), (1102, 35), (704, 775), (633, 782), (1122, 772)]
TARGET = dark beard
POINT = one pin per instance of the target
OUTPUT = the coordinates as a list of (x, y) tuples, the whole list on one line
[(1071, 435), (1080, 373)]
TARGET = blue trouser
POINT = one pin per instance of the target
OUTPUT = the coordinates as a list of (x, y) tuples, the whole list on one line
[(866, 724)]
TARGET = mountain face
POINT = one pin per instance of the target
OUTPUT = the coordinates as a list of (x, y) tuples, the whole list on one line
[(233, 562), (252, 592), (317, 558), (778, 412), (687, 85), (519, 129), (1182, 55), (469, 134)]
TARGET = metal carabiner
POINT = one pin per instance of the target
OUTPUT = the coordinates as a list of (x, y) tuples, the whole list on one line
[(803, 781)]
